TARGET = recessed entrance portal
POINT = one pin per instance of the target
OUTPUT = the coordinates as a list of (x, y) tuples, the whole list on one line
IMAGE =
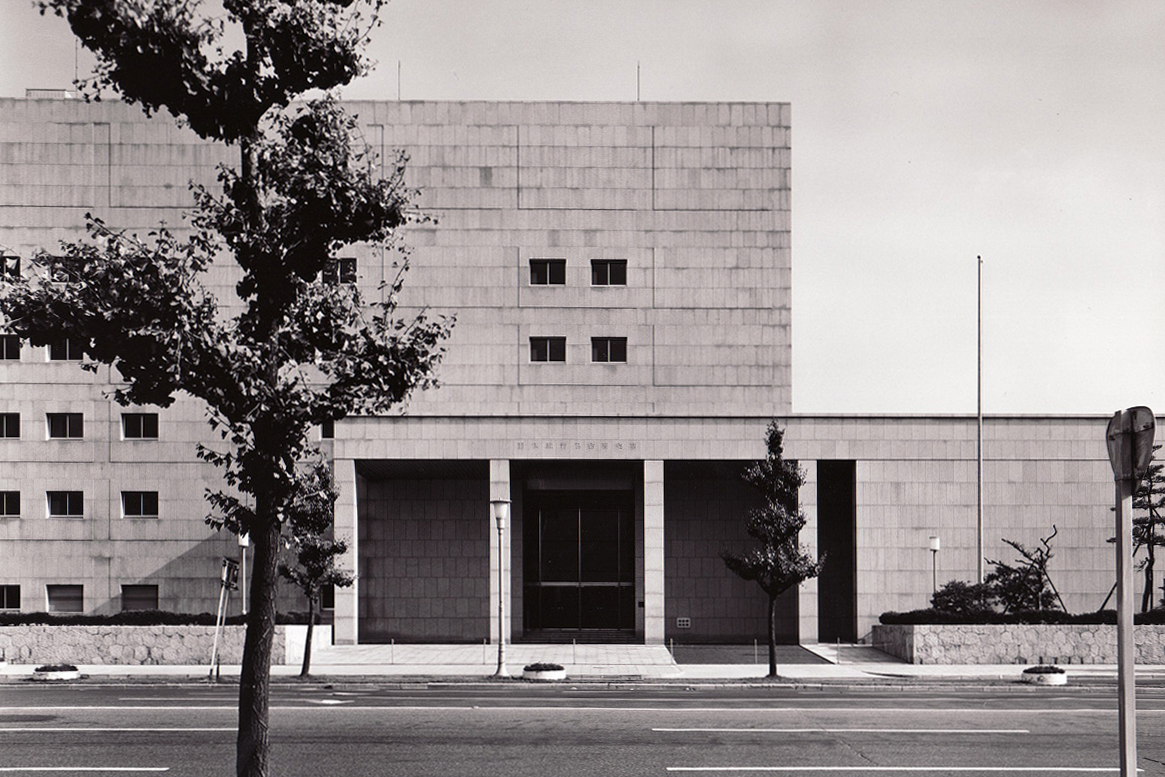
[(579, 561)]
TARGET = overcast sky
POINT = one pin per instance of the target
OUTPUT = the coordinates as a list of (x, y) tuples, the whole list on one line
[(924, 133)]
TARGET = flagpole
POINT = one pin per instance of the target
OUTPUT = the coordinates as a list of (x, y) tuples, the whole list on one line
[(979, 415)]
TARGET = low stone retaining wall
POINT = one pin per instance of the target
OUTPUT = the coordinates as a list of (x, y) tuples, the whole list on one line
[(134, 645), (1015, 644)]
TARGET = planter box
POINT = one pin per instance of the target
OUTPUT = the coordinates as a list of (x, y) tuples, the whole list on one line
[(546, 675), (1053, 678), (1015, 644)]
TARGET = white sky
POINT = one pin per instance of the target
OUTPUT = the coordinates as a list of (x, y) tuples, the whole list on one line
[(924, 133)]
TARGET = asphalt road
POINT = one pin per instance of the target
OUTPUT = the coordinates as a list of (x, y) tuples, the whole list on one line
[(519, 731)]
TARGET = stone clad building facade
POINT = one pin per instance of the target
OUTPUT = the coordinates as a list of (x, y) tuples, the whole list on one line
[(621, 276)]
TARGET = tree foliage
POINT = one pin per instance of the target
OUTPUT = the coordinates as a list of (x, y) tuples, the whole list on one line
[(309, 523), (1026, 585), (777, 562), (290, 350)]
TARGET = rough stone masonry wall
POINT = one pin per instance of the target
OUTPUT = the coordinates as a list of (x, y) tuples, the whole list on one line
[(133, 645), (1015, 644)]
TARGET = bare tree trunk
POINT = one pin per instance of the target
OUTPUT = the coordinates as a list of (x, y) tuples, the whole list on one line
[(1147, 596), (772, 636), (254, 683), (311, 624)]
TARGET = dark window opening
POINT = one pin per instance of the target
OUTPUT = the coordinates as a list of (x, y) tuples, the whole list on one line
[(547, 272), (66, 426), (139, 426), (328, 430), (340, 270), (66, 504), (608, 349), (608, 272), (9, 597), (328, 597), (9, 347), (139, 504), (66, 598), (139, 597), (9, 504), (9, 424), (69, 349), (547, 349)]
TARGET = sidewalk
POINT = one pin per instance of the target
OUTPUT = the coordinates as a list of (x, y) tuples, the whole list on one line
[(590, 663)]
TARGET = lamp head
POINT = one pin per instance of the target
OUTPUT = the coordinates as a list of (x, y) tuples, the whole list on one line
[(501, 511), (934, 544)]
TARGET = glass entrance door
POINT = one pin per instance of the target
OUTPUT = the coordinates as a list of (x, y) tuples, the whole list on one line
[(580, 563)]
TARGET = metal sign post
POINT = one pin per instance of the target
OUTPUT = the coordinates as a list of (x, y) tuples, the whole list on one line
[(229, 578), (1130, 448)]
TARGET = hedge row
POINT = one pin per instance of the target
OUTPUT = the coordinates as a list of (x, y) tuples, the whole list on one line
[(134, 618), (1050, 617)]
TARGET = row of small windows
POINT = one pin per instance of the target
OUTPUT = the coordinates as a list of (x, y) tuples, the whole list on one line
[(603, 349), (604, 272), (71, 597), (67, 350), (339, 270), (71, 504), (71, 426)]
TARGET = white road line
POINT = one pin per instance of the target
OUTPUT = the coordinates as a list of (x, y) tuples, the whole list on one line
[(84, 768), (819, 730), (60, 729), (1007, 769)]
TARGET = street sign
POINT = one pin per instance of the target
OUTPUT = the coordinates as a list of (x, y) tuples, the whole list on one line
[(1130, 442)]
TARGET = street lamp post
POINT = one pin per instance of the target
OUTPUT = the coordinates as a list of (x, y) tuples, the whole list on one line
[(934, 548), (501, 508)]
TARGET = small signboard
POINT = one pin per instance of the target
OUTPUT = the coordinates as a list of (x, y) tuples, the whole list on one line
[(1130, 442)]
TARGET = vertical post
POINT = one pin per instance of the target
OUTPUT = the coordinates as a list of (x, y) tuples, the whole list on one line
[(1124, 627), (653, 554), (979, 418), (501, 670)]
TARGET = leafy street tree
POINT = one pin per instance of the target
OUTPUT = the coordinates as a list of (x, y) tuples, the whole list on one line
[(290, 350), (1027, 586), (309, 519), (1149, 527), (778, 562)]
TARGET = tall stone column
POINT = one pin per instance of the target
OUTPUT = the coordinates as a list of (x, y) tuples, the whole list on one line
[(499, 488), (653, 582), (345, 629), (808, 621)]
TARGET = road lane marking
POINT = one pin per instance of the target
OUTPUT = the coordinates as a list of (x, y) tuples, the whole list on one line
[(104, 729), (819, 730), (1008, 769), (84, 768)]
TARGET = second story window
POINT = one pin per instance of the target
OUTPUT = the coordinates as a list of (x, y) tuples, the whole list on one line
[(340, 270), (139, 426), (139, 504), (547, 272), (608, 272), (608, 349), (68, 349), (9, 347), (9, 424), (547, 349), (10, 504), (63, 426)]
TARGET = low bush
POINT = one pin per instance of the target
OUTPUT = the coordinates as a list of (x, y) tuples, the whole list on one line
[(938, 617), (542, 667), (56, 668)]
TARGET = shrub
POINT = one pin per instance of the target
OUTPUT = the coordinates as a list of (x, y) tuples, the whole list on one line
[(56, 668), (134, 618), (960, 598), (542, 667), (1044, 669)]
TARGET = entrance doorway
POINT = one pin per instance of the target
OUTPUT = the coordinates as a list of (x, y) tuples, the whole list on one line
[(579, 562)]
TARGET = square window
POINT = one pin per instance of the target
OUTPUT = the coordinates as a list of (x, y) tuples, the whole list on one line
[(66, 426), (340, 270), (547, 349), (66, 504), (9, 597), (547, 272), (69, 349), (139, 504), (139, 597), (608, 272), (66, 598), (139, 426), (328, 597), (608, 349), (9, 425), (10, 347), (10, 504), (10, 266)]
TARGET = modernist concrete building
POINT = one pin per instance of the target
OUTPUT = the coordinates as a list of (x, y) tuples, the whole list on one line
[(621, 277)]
